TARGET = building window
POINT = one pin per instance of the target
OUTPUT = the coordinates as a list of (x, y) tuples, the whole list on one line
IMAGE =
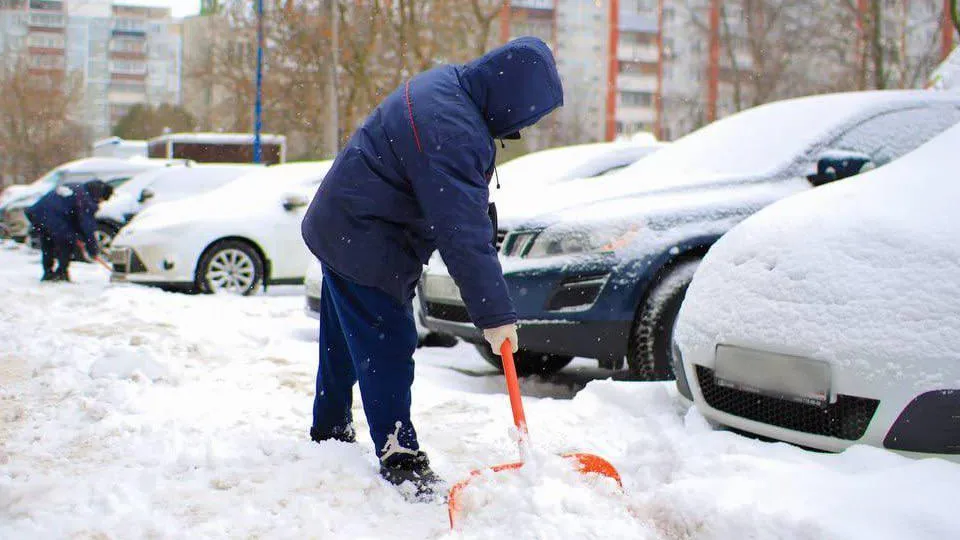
[(46, 61), (636, 99), (128, 67)]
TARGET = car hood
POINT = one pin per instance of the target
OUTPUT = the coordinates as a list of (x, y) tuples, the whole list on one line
[(23, 197), (118, 206)]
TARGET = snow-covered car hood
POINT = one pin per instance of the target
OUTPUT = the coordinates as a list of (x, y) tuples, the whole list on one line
[(23, 197), (861, 273), (13, 193), (117, 206)]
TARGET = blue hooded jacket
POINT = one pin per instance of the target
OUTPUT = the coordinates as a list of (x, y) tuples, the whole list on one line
[(415, 178), (67, 214)]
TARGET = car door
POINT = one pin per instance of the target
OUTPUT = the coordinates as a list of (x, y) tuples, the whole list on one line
[(291, 256)]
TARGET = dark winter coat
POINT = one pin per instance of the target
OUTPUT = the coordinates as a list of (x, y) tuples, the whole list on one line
[(415, 178), (67, 214)]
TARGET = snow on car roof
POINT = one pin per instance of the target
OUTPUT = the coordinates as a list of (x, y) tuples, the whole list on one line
[(767, 139), (144, 179), (862, 272), (106, 164)]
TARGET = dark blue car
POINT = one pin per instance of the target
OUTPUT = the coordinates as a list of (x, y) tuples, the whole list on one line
[(605, 279)]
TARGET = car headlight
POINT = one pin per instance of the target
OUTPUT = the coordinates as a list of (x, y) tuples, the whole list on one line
[(570, 241)]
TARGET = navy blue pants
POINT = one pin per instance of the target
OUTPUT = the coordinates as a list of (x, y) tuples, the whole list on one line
[(365, 336), (55, 251)]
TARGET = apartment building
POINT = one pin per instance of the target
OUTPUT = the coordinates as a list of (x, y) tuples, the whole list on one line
[(125, 54)]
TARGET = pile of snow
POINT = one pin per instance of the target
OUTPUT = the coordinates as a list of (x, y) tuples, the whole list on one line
[(862, 272), (96, 441)]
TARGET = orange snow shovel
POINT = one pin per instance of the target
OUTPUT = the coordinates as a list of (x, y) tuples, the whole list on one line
[(584, 463)]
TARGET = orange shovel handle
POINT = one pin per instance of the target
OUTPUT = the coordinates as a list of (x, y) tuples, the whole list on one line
[(513, 388)]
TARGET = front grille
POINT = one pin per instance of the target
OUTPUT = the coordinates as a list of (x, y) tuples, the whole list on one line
[(846, 419), (447, 312), (126, 261)]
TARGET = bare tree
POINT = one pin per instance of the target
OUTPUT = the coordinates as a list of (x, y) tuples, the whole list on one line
[(37, 129)]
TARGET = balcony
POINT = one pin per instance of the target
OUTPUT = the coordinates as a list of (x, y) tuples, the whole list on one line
[(46, 20), (129, 27), (631, 52), (46, 62)]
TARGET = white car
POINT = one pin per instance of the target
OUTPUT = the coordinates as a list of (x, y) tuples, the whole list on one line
[(232, 239), (527, 182), (115, 171), (161, 185), (832, 318)]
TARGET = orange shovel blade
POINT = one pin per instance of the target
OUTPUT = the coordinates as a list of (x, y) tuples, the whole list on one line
[(584, 463)]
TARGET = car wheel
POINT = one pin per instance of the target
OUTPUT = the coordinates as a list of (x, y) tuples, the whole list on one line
[(527, 362), (230, 267), (104, 233), (650, 348)]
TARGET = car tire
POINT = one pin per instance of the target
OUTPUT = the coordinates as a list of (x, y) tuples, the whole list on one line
[(105, 233), (650, 348), (230, 267), (527, 362), (437, 339)]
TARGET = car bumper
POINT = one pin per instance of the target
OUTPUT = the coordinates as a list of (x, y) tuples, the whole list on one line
[(582, 308), (312, 308), (16, 224), (863, 409), (150, 264)]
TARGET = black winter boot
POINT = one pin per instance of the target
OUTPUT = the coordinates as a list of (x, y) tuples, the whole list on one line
[(344, 434), (400, 468)]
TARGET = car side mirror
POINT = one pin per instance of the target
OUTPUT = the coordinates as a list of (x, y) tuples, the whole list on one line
[(293, 201), (836, 165), (146, 195)]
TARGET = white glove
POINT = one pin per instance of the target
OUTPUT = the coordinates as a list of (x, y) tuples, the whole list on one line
[(496, 336)]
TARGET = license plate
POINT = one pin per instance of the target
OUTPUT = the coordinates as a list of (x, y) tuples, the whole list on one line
[(782, 376), (119, 256), (441, 289)]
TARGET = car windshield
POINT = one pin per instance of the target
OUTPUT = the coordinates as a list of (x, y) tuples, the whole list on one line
[(758, 142)]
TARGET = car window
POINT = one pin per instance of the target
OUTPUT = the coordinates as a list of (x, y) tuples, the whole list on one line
[(890, 135), (118, 181)]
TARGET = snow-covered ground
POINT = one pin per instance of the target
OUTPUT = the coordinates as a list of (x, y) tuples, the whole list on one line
[(127, 412)]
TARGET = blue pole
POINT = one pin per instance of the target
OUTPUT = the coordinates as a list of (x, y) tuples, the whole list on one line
[(258, 107)]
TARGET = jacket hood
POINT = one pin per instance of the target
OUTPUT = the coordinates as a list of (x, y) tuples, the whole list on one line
[(514, 85)]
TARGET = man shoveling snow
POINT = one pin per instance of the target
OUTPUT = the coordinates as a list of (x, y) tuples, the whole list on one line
[(412, 179)]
